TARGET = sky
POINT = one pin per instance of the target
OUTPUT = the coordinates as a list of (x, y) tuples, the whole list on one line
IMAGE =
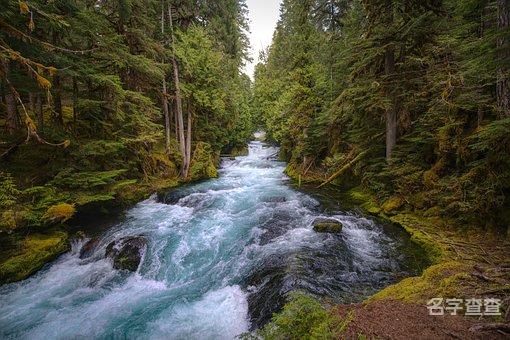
[(263, 15)]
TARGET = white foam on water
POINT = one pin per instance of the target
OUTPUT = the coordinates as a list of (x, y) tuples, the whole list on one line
[(220, 314), (199, 251)]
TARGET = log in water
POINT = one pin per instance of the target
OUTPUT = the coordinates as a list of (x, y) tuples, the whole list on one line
[(219, 259)]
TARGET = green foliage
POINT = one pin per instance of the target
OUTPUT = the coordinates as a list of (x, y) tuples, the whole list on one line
[(92, 74), (303, 317), (8, 191), (323, 89), (203, 162)]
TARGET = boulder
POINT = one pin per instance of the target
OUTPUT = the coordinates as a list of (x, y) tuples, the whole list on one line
[(275, 199), (88, 248), (327, 225), (127, 252)]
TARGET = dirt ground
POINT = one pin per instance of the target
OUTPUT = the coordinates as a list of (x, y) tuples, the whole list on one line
[(401, 320)]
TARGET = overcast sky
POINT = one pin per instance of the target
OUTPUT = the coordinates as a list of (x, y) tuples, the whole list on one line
[(263, 17)]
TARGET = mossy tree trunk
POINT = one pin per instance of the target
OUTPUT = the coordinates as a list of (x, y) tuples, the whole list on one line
[(178, 105), (57, 100), (503, 84), (166, 112), (389, 69), (40, 115), (75, 102), (11, 120)]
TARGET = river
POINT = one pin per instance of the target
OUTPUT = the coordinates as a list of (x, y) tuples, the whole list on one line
[(221, 255)]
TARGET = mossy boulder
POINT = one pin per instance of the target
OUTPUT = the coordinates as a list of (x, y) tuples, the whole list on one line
[(59, 213), (393, 204), (127, 252), (34, 251), (327, 225), (239, 151), (203, 163)]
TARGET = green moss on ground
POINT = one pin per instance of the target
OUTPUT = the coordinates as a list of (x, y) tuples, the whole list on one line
[(303, 317), (416, 226), (366, 201), (32, 253), (440, 280)]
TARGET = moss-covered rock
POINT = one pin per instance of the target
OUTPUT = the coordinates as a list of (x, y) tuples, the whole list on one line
[(33, 252), (446, 279), (239, 151), (127, 253), (327, 225), (303, 317), (392, 204), (415, 226), (59, 213), (203, 163)]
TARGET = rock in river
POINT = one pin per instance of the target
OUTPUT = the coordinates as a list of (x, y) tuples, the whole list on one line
[(127, 252), (89, 248), (327, 225)]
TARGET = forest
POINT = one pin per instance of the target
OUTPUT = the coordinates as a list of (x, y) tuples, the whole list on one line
[(410, 99), (106, 102), (398, 108)]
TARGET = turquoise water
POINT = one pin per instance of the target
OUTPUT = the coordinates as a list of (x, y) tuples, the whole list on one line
[(221, 256)]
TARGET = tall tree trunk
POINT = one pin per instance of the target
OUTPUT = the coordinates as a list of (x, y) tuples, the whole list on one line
[(188, 145), (166, 113), (164, 90), (178, 104), (176, 121), (391, 112), (31, 100), (503, 83), (40, 114), (11, 121), (57, 99), (75, 102)]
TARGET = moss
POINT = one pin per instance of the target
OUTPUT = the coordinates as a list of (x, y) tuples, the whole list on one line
[(327, 226), (203, 163), (446, 279), (303, 317), (366, 201), (33, 252), (239, 151), (415, 225), (392, 204), (59, 213)]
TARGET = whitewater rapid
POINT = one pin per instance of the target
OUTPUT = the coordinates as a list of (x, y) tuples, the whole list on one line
[(221, 256)]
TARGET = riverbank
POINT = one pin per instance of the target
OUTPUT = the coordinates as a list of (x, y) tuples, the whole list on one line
[(465, 263), (42, 226)]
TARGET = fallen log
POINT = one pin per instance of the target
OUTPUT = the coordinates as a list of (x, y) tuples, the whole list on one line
[(489, 327), (344, 169)]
